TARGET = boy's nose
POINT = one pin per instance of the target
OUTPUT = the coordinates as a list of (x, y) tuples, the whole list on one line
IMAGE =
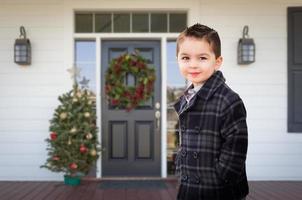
[(193, 64)]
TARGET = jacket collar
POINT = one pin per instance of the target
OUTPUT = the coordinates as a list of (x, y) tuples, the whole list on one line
[(211, 85), (207, 90)]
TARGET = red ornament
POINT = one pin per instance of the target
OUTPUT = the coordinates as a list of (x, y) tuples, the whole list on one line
[(83, 149), (55, 158), (73, 166), (53, 136), (115, 102)]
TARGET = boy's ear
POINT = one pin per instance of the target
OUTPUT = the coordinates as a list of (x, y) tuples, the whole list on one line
[(218, 62)]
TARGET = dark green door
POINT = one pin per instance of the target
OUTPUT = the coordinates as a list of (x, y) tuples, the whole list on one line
[(131, 139)]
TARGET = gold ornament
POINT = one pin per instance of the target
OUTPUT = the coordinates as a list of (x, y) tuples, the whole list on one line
[(69, 141), (89, 102), (63, 115), (73, 130), (93, 152), (74, 100), (87, 114), (79, 94), (89, 136)]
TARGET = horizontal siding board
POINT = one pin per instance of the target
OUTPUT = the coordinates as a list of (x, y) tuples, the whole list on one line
[(26, 112), (21, 148), (26, 160), (50, 90), (33, 79), (24, 125), (277, 160), (32, 102), (45, 55), (28, 173), (274, 172), (25, 137), (36, 69), (39, 44), (275, 148)]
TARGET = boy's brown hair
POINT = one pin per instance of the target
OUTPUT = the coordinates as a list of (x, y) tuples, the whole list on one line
[(201, 32)]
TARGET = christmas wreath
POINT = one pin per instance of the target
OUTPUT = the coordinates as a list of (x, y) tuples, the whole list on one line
[(121, 95)]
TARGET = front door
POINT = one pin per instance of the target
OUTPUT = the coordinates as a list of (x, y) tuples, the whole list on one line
[(131, 139)]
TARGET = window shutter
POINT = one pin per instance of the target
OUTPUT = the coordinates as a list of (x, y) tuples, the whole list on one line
[(294, 30)]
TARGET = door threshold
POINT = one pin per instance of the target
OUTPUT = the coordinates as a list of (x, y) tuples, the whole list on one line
[(131, 178), (170, 178)]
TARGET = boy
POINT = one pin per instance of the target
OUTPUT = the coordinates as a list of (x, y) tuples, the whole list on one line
[(212, 120)]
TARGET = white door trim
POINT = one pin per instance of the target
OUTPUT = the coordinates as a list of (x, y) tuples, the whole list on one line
[(163, 39)]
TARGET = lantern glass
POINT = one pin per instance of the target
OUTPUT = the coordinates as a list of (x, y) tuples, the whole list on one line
[(22, 52), (246, 51)]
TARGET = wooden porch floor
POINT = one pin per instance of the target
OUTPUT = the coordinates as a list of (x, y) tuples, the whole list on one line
[(89, 190)]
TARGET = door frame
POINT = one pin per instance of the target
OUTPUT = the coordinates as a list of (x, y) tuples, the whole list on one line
[(162, 38)]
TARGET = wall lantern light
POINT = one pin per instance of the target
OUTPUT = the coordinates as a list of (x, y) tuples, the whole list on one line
[(246, 48), (22, 49)]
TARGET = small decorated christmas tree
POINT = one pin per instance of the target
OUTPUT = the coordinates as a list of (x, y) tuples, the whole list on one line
[(73, 147)]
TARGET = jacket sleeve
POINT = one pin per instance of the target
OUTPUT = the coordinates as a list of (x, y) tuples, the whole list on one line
[(231, 162)]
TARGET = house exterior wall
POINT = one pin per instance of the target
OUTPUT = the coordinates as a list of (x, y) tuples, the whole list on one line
[(28, 95), (273, 153)]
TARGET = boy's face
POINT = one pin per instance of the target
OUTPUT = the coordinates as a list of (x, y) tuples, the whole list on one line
[(196, 60)]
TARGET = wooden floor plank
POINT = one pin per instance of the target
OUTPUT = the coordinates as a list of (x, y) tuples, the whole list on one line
[(90, 190), (39, 189), (6, 186), (110, 194)]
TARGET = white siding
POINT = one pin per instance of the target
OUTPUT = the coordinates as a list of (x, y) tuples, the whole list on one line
[(273, 154), (28, 95)]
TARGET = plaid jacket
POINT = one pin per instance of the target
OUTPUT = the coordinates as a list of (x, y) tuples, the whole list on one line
[(213, 143)]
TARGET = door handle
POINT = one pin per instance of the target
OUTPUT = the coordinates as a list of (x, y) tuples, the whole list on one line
[(157, 117)]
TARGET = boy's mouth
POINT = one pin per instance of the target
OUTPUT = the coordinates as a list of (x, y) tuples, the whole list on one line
[(195, 74)]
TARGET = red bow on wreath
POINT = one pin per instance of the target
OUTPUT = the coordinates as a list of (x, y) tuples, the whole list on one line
[(129, 97)]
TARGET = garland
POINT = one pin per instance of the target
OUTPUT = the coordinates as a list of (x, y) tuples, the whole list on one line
[(129, 97)]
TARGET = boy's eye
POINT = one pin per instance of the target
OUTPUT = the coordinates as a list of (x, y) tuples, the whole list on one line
[(203, 58), (185, 58)]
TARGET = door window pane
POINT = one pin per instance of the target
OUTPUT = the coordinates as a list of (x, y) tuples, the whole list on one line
[(103, 23), (140, 22), (121, 23), (159, 22), (178, 22), (175, 86), (83, 23), (85, 60)]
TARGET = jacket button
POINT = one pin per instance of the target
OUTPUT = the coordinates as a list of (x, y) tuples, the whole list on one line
[(183, 153), (195, 155), (184, 177), (197, 180)]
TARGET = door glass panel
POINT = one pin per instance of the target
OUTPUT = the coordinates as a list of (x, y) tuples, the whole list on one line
[(103, 23), (147, 53), (85, 60), (159, 22), (121, 23), (175, 86), (83, 23)]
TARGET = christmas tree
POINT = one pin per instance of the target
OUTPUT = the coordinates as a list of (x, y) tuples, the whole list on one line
[(73, 147)]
